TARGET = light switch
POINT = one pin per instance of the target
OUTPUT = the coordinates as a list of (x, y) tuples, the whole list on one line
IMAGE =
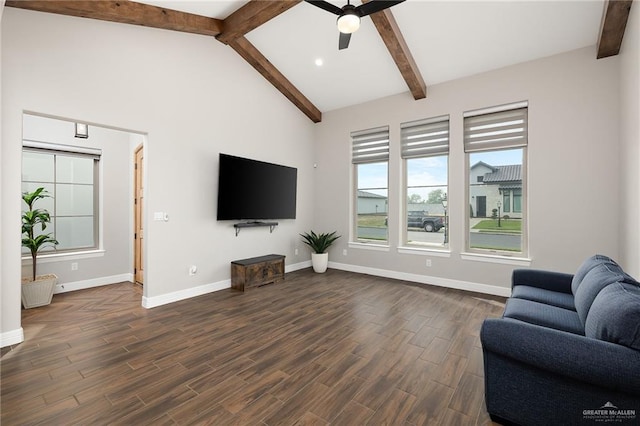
[(158, 216)]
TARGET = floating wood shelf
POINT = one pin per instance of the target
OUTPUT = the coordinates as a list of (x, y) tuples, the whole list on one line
[(239, 226)]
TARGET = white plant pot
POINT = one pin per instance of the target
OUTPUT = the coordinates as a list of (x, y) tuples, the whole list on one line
[(39, 292), (319, 261)]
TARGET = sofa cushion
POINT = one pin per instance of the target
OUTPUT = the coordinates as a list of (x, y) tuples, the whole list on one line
[(615, 315), (543, 315), (549, 297), (594, 281), (587, 266)]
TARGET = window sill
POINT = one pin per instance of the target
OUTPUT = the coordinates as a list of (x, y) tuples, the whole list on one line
[(495, 258), (368, 246), (58, 257), (426, 251)]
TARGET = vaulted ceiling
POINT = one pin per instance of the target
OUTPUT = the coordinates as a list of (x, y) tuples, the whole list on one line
[(294, 45)]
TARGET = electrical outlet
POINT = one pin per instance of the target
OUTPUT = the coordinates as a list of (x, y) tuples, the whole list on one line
[(74, 266), (193, 270), (344, 252), (295, 252), (428, 263)]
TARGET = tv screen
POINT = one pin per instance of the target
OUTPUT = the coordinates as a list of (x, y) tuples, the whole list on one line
[(253, 190)]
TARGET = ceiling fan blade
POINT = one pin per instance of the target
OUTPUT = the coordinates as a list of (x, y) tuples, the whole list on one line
[(376, 6), (343, 42), (325, 5)]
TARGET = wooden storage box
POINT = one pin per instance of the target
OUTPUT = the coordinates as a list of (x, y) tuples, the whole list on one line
[(257, 271)]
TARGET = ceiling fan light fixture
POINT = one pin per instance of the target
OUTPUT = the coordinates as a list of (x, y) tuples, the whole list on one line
[(349, 22)]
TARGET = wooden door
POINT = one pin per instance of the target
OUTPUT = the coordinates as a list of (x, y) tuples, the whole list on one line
[(138, 243)]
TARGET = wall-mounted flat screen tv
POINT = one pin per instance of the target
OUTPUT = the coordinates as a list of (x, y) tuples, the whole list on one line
[(255, 190)]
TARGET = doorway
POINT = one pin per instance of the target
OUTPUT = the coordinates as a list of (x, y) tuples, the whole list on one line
[(481, 207)]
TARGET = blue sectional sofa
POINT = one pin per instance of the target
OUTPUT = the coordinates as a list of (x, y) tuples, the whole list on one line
[(567, 349)]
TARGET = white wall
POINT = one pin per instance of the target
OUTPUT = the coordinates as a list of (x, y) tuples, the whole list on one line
[(573, 159), (114, 264), (630, 143), (12, 332), (193, 97)]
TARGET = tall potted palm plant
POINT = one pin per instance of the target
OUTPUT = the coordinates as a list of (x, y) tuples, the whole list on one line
[(37, 290), (319, 243)]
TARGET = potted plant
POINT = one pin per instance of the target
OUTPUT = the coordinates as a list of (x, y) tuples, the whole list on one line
[(38, 290), (319, 243)]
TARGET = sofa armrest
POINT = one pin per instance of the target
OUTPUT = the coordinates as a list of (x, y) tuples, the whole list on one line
[(581, 358), (548, 280)]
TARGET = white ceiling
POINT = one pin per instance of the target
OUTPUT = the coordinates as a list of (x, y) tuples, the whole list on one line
[(448, 40)]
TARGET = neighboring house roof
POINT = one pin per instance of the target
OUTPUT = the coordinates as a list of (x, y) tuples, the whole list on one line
[(511, 173), (482, 163), (364, 194)]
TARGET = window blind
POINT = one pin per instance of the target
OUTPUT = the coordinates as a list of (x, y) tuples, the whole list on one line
[(370, 146), (502, 129), (50, 148), (425, 138)]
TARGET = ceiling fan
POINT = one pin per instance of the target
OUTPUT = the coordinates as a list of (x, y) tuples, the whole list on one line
[(349, 15)]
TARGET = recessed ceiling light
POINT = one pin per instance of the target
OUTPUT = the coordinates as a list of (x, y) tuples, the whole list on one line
[(319, 62)]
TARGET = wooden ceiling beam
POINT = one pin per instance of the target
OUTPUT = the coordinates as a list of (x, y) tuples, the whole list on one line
[(394, 40), (251, 16), (258, 61), (614, 22), (127, 12)]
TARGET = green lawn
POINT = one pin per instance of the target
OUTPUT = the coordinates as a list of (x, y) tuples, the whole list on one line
[(375, 221), (491, 225)]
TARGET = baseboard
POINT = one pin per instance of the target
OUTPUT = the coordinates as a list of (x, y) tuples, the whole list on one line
[(153, 302), (425, 279), (297, 266), (176, 296), (12, 337), (94, 282)]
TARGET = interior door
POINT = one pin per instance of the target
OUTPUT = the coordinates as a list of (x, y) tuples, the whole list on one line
[(138, 243)]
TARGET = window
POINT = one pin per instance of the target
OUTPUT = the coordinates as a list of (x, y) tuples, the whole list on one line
[(517, 201), (495, 142), (506, 201), (70, 176), (425, 150), (370, 157)]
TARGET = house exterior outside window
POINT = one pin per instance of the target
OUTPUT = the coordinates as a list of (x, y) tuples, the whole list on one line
[(498, 183)]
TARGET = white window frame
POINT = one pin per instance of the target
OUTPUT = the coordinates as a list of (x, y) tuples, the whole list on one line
[(424, 139), (369, 146), (77, 151), (519, 141)]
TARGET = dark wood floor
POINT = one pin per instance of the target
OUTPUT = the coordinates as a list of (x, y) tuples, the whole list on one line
[(336, 348)]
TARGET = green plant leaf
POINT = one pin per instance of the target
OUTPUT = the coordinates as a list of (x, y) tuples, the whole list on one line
[(31, 219), (319, 243)]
